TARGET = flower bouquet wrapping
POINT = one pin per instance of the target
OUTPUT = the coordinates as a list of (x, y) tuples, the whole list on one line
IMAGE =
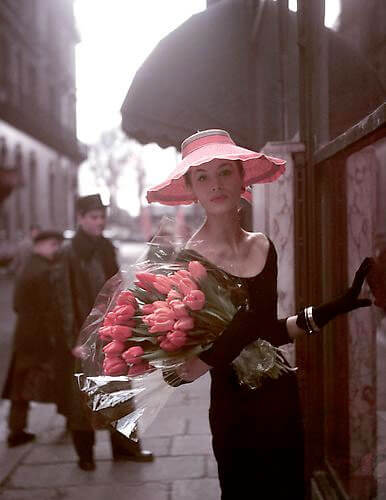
[(150, 319)]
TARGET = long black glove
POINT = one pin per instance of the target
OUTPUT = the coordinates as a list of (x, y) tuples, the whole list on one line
[(240, 332), (349, 301)]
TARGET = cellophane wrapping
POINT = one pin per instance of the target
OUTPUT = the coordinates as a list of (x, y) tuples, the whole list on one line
[(169, 306), (147, 321)]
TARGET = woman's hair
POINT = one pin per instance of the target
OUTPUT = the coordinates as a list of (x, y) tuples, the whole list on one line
[(188, 178)]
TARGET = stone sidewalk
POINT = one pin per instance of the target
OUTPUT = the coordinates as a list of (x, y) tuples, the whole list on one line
[(183, 469)]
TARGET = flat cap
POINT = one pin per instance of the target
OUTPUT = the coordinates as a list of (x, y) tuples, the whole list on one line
[(48, 234)]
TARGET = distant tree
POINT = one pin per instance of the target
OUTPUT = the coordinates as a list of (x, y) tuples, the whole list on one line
[(109, 160)]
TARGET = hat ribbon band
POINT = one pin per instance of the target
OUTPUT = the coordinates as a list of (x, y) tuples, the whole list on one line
[(205, 141)]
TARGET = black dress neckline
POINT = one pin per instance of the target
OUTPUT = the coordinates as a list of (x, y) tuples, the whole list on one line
[(234, 275)]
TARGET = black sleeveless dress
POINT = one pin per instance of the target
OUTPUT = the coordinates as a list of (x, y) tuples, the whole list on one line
[(258, 434)]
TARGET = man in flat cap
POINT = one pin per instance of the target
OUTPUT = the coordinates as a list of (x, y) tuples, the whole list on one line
[(31, 376), (89, 261), (24, 249)]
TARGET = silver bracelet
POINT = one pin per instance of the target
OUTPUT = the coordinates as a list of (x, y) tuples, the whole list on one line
[(311, 319), (311, 325)]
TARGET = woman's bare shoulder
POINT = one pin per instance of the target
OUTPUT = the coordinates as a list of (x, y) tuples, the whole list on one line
[(259, 244)]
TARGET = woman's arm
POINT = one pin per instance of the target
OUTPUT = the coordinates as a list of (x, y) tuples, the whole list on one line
[(292, 328), (192, 369), (195, 367), (185, 373), (312, 319)]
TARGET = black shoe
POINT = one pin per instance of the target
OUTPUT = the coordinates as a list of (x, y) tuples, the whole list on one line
[(19, 438), (138, 456), (86, 465)]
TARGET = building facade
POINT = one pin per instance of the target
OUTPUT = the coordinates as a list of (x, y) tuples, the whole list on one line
[(364, 29), (37, 116)]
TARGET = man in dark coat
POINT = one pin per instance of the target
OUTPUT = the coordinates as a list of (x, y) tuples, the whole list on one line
[(89, 260), (31, 376)]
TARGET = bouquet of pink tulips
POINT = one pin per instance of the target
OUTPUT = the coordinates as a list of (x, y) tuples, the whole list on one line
[(166, 316), (148, 323), (147, 320)]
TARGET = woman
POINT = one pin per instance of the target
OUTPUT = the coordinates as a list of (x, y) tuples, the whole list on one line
[(257, 434)]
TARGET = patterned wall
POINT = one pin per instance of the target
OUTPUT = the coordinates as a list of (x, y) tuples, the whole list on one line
[(366, 220)]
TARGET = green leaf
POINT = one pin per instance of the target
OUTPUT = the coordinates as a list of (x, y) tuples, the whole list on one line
[(142, 339)]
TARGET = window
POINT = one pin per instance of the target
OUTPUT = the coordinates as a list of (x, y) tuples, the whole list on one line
[(18, 165), (33, 184), (51, 192)]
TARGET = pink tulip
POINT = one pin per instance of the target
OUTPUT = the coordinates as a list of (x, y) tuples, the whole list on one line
[(164, 313), (179, 308), (186, 285), (123, 313), (109, 319), (114, 366), (120, 332), (145, 280), (114, 349), (167, 346), (197, 270), (161, 326), (174, 279), (126, 297), (173, 295), (160, 303), (178, 337), (105, 333), (183, 273), (126, 309), (195, 300), (148, 308), (184, 323), (144, 286), (139, 369), (149, 319), (173, 341), (133, 355), (163, 284), (146, 277)]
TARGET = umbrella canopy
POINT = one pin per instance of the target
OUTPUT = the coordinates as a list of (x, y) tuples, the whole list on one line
[(208, 74)]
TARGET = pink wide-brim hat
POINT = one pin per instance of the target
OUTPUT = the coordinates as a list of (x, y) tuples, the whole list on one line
[(204, 147)]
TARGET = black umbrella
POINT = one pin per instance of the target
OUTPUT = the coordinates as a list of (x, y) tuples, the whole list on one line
[(209, 74)]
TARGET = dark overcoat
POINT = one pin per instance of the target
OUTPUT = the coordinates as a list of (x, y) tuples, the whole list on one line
[(31, 375), (86, 264)]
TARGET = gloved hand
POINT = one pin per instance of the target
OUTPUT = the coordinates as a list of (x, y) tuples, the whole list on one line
[(349, 301), (240, 332)]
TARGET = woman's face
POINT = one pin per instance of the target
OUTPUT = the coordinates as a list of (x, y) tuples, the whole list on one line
[(217, 185)]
